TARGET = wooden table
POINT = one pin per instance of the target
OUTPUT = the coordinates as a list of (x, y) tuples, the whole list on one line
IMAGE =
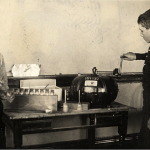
[(30, 122)]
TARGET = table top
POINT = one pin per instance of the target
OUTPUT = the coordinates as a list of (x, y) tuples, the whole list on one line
[(23, 114)]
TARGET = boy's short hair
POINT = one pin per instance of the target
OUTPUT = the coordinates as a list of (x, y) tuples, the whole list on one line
[(144, 19)]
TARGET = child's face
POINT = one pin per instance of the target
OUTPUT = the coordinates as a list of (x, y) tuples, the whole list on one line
[(145, 33)]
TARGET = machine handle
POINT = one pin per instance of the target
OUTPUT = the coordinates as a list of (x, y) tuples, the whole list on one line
[(94, 70)]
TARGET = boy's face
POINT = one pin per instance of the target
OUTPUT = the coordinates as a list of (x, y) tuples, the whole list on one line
[(145, 33)]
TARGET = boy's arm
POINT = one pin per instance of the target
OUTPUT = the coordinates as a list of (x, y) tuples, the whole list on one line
[(133, 56), (140, 56)]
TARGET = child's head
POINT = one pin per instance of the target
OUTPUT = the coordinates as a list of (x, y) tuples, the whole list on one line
[(144, 25), (144, 19)]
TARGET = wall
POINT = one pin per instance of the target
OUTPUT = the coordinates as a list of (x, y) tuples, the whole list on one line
[(73, 36)]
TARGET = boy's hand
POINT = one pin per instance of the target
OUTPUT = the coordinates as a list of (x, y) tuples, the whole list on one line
[(129, 56), (7, 96), (1, 83), (10, 96), (3, 95)]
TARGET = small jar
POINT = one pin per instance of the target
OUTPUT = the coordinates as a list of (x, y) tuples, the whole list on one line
[(41, 91), (65, 107), (32, 91), (16, 91), (51, 92), (46, 91), (79, 106), (26, 91), (36, 91), (21, 91)]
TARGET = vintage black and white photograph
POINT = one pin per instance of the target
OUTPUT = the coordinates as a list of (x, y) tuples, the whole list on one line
[(74, 74)]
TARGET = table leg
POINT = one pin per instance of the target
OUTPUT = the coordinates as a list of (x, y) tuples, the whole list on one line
[(17, 134), (122, 129), (91, 132)]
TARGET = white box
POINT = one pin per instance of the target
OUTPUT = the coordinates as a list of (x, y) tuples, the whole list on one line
[(42, 84), (24, 70), (32, 102)]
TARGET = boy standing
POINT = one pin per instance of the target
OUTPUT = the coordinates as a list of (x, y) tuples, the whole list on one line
[(144, 27)]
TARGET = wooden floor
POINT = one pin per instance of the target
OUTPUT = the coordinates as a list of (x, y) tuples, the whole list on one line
[(129, 145), (131, 142)]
